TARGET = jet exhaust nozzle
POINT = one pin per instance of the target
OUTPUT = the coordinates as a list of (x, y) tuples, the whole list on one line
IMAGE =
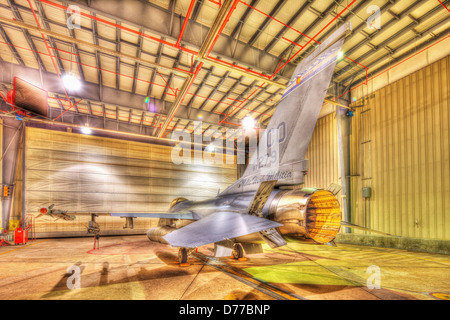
[(307, 214), (156, 233)]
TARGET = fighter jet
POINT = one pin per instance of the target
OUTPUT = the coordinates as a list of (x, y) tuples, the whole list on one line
[(263, 205), (55, 213)]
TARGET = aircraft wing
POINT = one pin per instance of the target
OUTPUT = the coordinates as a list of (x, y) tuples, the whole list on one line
[(216, 227), (182, 215)]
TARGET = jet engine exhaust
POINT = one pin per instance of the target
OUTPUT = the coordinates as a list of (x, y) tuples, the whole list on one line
[(307, 214), (156, 233)]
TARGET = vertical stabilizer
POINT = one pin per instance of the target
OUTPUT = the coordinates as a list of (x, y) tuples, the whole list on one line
[(293, 122)]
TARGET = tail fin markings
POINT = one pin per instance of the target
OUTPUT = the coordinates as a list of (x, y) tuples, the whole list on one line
[(284, 143)]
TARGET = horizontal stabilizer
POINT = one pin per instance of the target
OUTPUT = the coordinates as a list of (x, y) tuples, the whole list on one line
[(217, 227), (182, 215), (355, 226)]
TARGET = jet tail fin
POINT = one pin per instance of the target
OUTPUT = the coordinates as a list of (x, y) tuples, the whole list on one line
[(284, 143)]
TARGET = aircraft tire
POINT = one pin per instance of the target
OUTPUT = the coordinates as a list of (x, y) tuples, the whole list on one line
[(182, 255), (238, 251)]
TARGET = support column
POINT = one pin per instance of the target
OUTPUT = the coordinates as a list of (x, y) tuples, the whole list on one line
[(12, 134)]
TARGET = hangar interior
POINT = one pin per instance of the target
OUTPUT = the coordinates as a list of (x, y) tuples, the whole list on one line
[(146, 69)]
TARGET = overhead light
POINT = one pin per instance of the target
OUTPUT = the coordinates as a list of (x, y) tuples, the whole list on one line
[(340, 55), (86, 130), (248, 122), (71, 82), (210, 148)]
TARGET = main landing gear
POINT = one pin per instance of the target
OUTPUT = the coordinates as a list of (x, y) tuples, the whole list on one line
[(238, 252), (183, 254)]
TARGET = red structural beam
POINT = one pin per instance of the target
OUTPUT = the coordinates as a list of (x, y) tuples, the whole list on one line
[(396, 65), (312, 39), (122, 27), (444, 6), (367, 69), (227, 18), (236, 107), (49, 51), (186, 19), (269, 16), (85, 65), (126, 76), (199, 67), (71, 106)]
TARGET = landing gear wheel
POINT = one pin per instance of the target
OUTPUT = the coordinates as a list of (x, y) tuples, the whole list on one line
[(182, 255), (238, 251)]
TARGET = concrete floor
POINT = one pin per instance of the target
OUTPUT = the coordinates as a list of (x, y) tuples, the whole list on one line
[(131, 267)]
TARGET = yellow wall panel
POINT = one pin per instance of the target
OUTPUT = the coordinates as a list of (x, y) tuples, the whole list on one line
[(399, 147), (88, 174)]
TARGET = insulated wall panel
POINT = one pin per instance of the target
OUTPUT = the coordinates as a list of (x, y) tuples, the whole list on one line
[(87, 174), (323, 155), (399, 147)]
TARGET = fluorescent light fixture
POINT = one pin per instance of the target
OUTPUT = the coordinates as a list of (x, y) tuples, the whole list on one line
[(248, 122), (71, 82), (86, 130)]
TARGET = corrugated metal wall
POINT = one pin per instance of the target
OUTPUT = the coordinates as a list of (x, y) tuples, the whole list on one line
[(323, 155), (400, 148), (88, 174)]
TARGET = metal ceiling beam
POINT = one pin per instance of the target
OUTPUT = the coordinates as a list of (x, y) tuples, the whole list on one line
[(213, 92), (97, 56), (291, 21), (266, 21), (352, 11), (441, 36), (143, 13), (11, 47), (90, 92), (325, 13), (243, 19), (76, 51), (386, 42), (118, 39), (230, 91), (88, 44), (136, 65), (26, 34), (210, 38), (158, 59), (50, 39), (386, 8)]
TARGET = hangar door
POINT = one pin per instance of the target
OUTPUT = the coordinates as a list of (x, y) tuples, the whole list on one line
[(86, 174)]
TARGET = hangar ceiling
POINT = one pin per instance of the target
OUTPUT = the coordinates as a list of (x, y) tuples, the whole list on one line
[(152, 67)]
